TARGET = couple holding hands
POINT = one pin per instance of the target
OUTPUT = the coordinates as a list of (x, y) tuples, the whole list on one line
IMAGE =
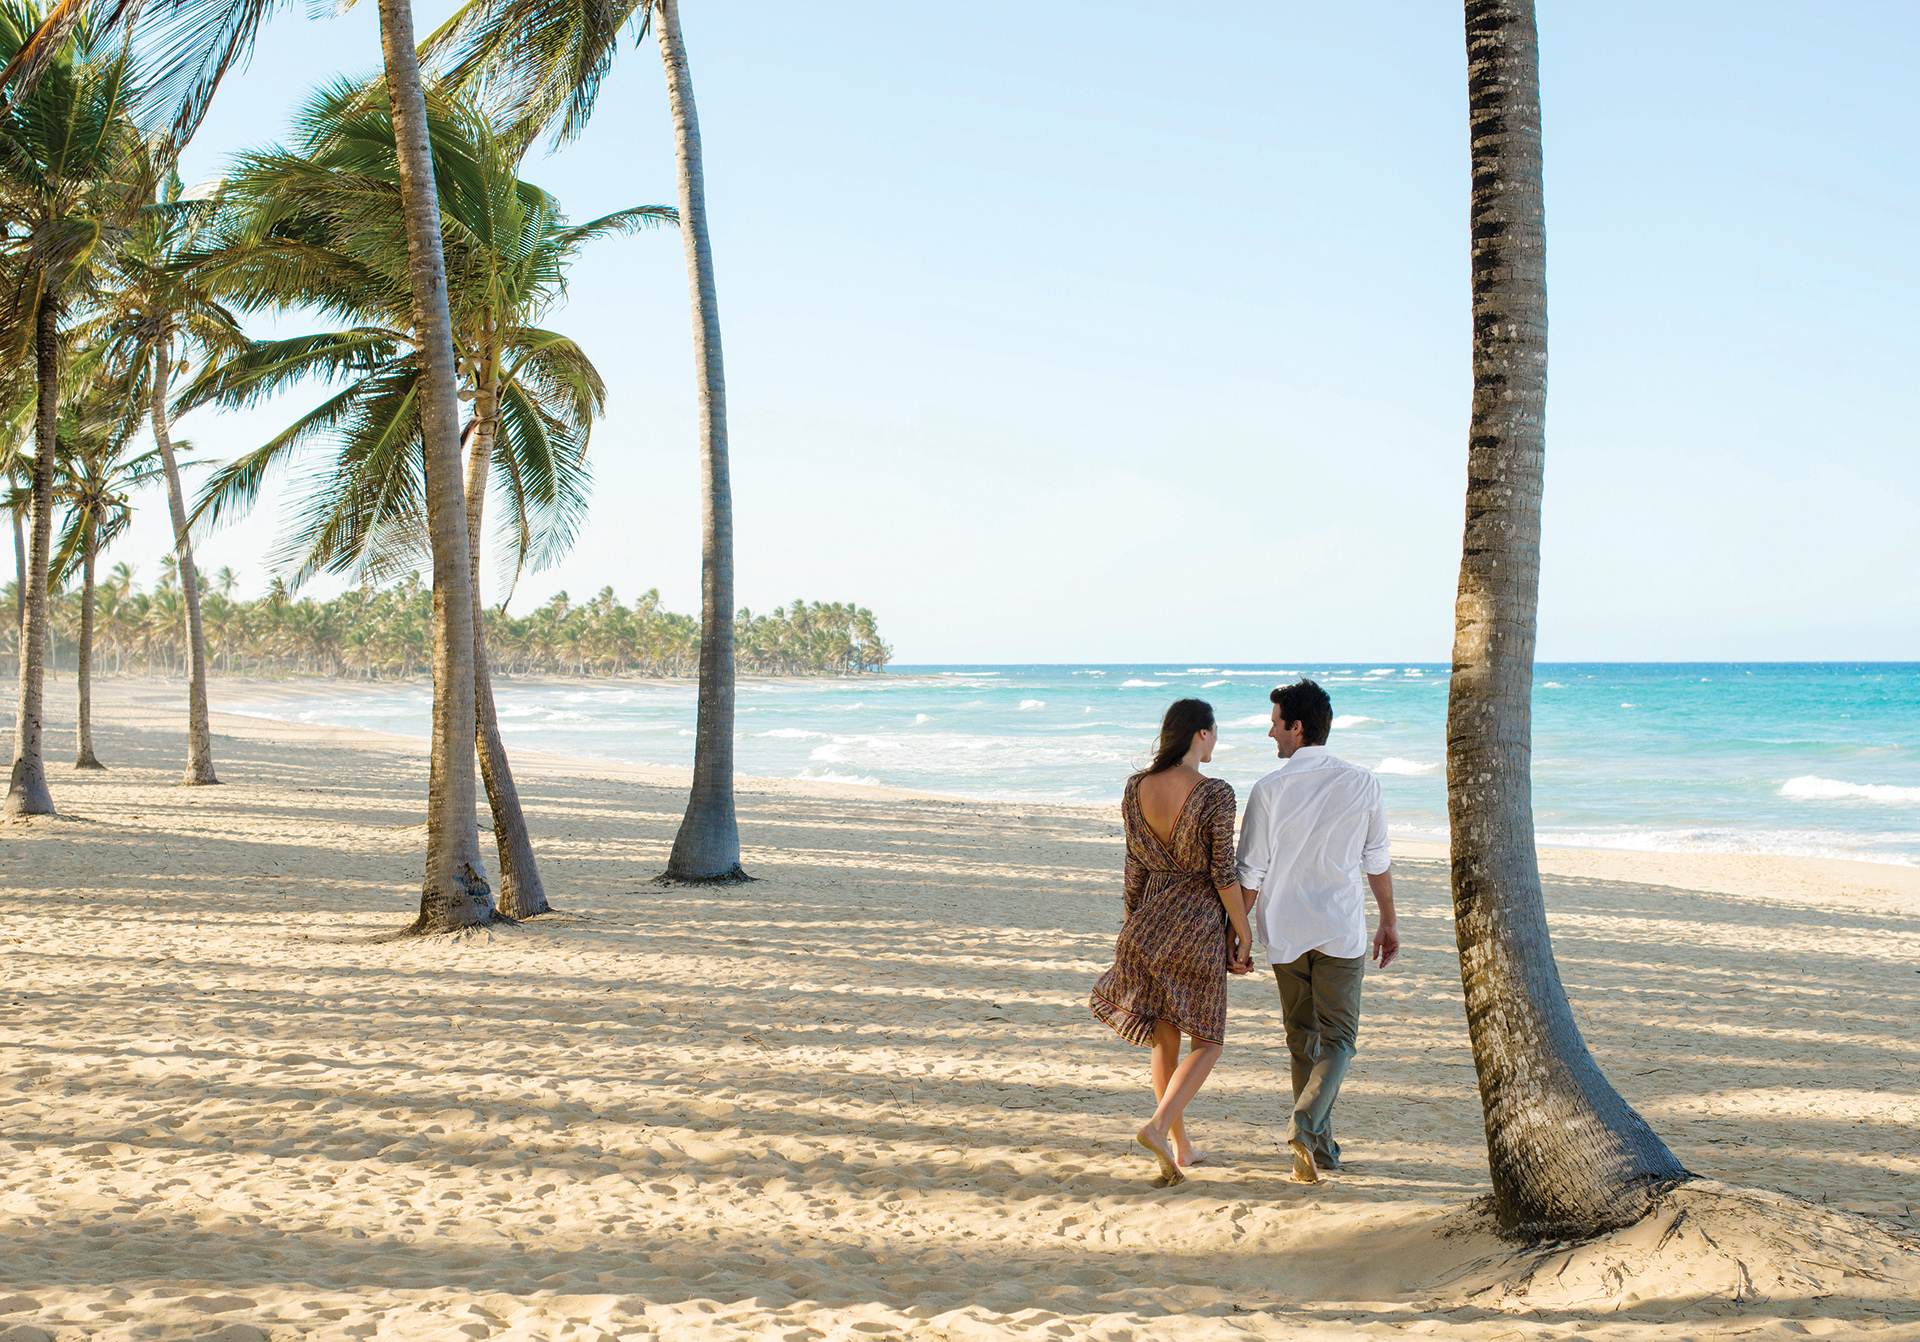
[(1315, 829)]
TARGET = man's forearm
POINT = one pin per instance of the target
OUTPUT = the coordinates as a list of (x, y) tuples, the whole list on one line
[(1382, 887), (1251, 896)]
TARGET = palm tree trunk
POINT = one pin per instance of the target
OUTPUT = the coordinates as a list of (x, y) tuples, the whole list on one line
[(521, 893), (453, 891), (20, 580), (707, 848), (27, 792), (1568, 1156), (199, 738), (84, 757)]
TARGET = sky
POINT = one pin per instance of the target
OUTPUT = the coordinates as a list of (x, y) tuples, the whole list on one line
[(1108, 332)]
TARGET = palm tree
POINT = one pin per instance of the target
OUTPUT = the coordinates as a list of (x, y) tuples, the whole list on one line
[(549, 58), (1568, 1156), (98, 476), (454, 893), (17, 392), (315, 226), (68, 184), (153, 312)]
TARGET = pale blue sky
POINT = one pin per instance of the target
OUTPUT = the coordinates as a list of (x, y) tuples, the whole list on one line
[(1079, 333)]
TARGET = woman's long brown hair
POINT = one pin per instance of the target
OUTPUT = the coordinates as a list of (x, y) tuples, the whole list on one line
[(1185, 718)]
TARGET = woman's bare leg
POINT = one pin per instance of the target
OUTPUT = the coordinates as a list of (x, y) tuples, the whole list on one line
[(1182, 1084), (1166, 1061)]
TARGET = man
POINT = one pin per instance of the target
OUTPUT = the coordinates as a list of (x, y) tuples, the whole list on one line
[(1313, 828)]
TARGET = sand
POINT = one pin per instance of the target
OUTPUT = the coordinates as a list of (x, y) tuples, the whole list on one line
[(861, 1097)]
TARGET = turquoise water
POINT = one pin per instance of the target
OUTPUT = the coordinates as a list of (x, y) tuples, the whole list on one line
[(1820, 759)]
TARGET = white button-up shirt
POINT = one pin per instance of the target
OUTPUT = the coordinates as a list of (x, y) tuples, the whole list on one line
[(1312, 827)]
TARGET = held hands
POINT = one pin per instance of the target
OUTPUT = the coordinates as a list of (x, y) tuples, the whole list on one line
[(1386, 944), (1239, 951)]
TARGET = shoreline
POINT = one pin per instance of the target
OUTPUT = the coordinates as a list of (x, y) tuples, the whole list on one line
[(862, 1096), (1726, 872)]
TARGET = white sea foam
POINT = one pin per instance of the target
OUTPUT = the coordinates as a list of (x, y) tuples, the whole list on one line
[(1785, 842), (1381, 671), (1210, 684), (1551, 685), (1033, 703), (1346, 720), (792, 734), (1203, 670), (1142, 684), (919, 718), (1832, 789), (1255, 720), (829, 776), (1393, 764)]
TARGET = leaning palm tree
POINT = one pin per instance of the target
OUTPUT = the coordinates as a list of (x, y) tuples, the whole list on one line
[(69, 182), (153, 313), (1568, 1156), (314, 226), (97, 477), (548, 59)]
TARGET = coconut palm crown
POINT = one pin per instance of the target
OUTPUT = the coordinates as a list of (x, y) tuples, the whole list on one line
[(316, 225)]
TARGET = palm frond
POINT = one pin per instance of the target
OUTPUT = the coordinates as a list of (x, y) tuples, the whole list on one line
[(264, 368)]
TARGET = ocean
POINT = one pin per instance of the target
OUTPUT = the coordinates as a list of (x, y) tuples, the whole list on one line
[(1819, 759)]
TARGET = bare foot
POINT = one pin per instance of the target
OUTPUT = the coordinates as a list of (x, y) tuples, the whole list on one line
[(1303, 1170), (1150, 1138), (1193, 1155)]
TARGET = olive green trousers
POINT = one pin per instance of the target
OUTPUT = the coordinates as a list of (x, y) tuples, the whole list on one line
[(1320, 1002)]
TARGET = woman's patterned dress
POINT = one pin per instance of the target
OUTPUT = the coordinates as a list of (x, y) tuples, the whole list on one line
[(1171, 960)]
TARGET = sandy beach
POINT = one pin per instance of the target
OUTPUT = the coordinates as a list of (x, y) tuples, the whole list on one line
[(861, 1097)]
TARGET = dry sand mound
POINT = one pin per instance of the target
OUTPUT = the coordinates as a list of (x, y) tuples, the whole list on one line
[(862, 1097), (1708, 1248)]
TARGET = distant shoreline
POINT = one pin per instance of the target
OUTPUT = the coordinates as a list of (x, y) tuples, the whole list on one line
[(1895, 884)]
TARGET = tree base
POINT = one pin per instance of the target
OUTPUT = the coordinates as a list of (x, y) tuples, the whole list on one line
[(737, 876), (29, 794), (189, 780), (1630, 1208), (421, 927), (89, 763), (523, 915)]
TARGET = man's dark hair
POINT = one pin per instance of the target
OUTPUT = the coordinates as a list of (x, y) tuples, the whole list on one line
[(1307, 704)]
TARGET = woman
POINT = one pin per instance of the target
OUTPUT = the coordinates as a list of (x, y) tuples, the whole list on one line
[(1186, 927)]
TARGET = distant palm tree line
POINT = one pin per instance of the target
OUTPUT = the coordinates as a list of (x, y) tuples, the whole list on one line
[(385, 633)]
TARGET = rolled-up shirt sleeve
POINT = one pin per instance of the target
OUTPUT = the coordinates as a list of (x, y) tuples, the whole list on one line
[(1374, 856), (1256, 844)]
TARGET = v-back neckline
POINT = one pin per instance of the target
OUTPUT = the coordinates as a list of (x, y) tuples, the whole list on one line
[(1166, 844)]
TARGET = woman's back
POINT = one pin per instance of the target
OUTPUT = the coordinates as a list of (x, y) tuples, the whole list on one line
[(1163, 797)]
